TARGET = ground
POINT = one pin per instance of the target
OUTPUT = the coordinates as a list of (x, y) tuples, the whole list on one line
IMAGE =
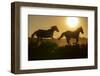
[(48, 49)]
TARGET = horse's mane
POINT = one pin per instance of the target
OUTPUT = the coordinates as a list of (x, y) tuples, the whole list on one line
[(78, 28), (54, 26)]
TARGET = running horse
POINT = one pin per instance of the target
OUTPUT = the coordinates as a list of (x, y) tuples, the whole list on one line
[(69, 34), (40, 34)]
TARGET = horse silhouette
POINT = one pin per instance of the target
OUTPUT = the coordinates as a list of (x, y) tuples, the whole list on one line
[(40, 34), (70, 34)]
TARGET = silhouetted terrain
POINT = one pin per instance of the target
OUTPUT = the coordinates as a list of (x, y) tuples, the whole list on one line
[(56, 49)]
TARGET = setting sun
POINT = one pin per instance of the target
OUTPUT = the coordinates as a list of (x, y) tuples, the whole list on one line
[(72, 21)]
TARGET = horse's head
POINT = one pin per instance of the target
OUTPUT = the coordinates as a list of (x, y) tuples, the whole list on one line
[(55, 28), (81, 30)]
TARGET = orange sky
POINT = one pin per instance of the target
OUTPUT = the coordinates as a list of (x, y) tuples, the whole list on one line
[(36, 22)]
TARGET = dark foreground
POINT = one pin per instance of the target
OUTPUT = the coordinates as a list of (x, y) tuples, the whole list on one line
[(48, 50)]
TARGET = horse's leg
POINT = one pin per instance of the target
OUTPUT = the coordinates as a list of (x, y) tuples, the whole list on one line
[(68, 40), (76, 40), (39, 41)]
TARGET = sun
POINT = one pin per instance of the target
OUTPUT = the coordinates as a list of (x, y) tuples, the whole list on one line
[(72, 21)]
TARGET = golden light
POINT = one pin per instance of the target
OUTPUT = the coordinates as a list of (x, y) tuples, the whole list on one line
[(72, 21)]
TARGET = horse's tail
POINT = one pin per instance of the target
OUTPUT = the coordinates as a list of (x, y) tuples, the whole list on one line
[(33, 34), (61, 36)]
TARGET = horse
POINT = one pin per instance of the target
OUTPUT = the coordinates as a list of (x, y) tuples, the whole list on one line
[(69, 34), (40, 34)]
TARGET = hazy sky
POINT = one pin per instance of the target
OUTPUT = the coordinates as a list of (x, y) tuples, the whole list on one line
[(36, 22)]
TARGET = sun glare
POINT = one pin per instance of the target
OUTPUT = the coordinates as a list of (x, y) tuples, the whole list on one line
[(72, 21)]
